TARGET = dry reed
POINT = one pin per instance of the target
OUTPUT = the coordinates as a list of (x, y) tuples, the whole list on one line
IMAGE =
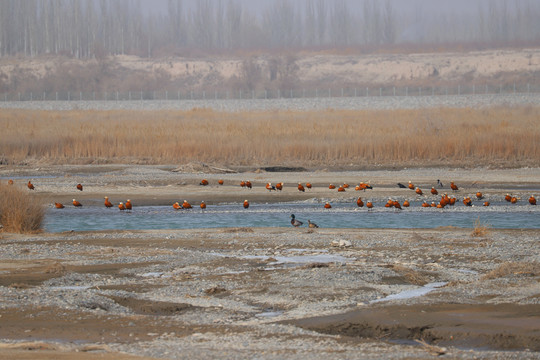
[(461, 137), (20, 212), (480, 229)]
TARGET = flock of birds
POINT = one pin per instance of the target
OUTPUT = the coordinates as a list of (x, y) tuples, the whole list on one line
[(444, 201)]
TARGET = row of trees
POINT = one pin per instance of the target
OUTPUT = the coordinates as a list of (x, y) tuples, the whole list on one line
[(95, 28)]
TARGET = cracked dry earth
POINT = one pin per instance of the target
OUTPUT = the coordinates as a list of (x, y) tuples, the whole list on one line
[(271, 293)]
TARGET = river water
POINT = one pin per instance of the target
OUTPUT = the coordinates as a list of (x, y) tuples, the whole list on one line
[(500, 216)]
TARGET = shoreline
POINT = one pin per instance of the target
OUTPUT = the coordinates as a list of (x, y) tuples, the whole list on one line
[(272, 292)]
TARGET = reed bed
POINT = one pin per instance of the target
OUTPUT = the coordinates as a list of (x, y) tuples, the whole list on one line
[(20, 212), (508, 136)]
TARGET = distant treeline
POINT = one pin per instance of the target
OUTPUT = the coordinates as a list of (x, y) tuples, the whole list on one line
[(96, 28)]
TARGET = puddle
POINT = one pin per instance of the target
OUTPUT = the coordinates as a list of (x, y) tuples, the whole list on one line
[(408, 294), (269, 314), (67, 287)]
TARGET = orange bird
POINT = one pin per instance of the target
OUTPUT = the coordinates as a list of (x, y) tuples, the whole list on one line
[(452, 201), (220, 181), (107, 202), (121, 206), (79, 187), (248, 184), (514, 200), (203, 205), (389, 203), (203, 182), (246, 204), (242, 183), (279, 186), (397, 205), (58, 205), (467, 201), (440, 206), (434, 191), (186, 205), (406, 203), (411, 185), (445, 200), (479, 195), (532, 200), (327, 205), (30, 185), (332, 187), (10, 182), (270, 187), (128, 204), (418, 191), (76, 203), (301, 187), (345, 186), (425, 204), (453, 186), (341, 189), (486, 203), (507, 197), (363, 186), (369, 205), (308, 185), (359, 202), (176, 206)]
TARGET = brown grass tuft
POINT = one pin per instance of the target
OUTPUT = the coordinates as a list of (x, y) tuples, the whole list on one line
[(513, 268), (480, 229), (56, 268), (20, 212), (412, 276)]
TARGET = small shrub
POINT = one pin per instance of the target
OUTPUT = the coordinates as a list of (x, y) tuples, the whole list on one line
[(480, 229), (20, 212)]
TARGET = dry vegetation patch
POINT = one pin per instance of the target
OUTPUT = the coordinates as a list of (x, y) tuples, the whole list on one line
[(480, 229), (442, 136), (20, 212), (513, 268)]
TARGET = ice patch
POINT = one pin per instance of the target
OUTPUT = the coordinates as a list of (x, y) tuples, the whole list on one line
[(408, 294)]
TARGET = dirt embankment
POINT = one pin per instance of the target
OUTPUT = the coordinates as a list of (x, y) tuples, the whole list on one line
[(119, 73)]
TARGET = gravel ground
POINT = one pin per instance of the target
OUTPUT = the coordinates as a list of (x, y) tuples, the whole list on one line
[(350, 103), (236, 293)]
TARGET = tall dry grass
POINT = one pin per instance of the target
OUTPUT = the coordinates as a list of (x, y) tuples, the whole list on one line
[(20, 212), (500, 136)]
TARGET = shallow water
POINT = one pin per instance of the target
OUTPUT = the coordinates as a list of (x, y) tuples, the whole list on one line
[(500, 216)]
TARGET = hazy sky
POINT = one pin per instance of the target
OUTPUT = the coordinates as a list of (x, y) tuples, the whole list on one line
[(435, 6)]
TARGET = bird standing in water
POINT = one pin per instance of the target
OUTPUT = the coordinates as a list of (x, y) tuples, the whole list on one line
[(295, 222)]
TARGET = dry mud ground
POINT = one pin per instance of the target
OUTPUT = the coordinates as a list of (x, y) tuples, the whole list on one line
[(267, 293)]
